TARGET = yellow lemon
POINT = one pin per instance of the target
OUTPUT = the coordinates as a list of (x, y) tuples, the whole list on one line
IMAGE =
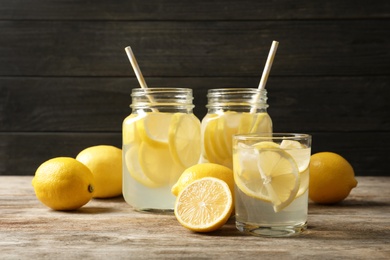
[(105, 163), (331, 178), (63, 183), (202, 170), (205, 205)]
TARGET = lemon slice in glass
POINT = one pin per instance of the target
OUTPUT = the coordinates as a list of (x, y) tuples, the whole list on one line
[(271, 175), (304, 182), (299, 152), (301, 155)]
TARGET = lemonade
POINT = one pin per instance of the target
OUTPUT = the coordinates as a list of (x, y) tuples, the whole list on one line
[(159, 143), (271, 174), (157, 148), (232, 111)]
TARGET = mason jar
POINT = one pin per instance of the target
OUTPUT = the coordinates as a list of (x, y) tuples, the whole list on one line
[(161, 138), (232, 111)]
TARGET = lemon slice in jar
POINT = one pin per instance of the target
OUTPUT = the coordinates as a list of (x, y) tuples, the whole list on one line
[(133, 166), (154, 128), (184, 139), (210, 140)]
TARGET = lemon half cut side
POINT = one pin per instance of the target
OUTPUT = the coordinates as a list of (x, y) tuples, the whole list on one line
[(205, 205)]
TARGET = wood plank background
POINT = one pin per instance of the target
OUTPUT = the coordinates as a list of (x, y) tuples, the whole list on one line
[(65, 80)]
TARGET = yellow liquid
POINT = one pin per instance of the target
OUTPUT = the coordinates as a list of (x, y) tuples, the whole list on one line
[(157, 148), (218, 129), (256, 214)]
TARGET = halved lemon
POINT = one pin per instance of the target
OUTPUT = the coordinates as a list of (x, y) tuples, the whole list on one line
[(273, 177), (204, 205)]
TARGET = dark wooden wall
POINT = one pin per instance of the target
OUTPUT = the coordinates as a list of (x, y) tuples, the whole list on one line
[(65, 79)]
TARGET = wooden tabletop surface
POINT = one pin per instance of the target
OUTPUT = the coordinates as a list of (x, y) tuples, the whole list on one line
[(357, 228)]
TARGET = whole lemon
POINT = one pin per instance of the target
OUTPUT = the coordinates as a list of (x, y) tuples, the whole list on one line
[(202, 170), (63, 183), (331, 178), (105, 163)]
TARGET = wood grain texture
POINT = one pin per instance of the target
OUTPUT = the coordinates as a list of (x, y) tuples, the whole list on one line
[(190, 10), (65, 80), (91, 104), (357, 228), (188, 48)]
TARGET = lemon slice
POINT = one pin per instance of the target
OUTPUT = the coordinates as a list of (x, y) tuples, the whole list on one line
[(262, 124), (230, 121), (304, 182), (266, 144), (130, 134), (217, 138), (154, 128), (221, 146), (209, 141), (134, 168), (246, 122), (272, 175), (184, 139), (204, 205), (299, 152), (280, 176), (156, 163)]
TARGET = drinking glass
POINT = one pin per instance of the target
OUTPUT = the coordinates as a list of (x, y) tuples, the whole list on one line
[(271, 174)]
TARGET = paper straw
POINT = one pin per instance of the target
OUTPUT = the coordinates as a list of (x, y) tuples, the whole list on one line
[(268, 64), (138, 73), (135, 66), (266, 71)]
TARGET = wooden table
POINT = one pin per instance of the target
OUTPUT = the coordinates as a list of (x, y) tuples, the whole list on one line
[(358, 228)]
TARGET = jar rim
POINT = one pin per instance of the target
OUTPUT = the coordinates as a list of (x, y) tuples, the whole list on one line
[(255, 90), (274, 136), (160, 89)]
